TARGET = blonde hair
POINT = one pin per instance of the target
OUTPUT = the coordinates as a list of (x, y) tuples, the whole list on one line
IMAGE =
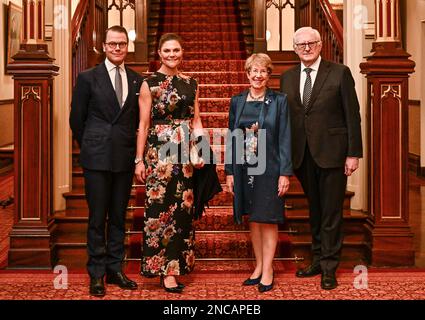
[(261, 59)]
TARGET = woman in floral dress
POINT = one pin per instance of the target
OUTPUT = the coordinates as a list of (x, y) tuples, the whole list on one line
[(169, 115)]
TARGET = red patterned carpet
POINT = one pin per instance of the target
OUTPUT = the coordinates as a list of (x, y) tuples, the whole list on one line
[(219, 281)]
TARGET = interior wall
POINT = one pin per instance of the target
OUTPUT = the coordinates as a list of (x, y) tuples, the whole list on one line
[(6, 81), (415, 15), (6, 91), (6, 124)]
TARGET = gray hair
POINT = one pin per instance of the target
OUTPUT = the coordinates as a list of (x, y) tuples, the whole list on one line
[(307, 29)]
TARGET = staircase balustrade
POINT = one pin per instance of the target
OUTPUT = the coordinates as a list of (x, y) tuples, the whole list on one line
[(89, 23)]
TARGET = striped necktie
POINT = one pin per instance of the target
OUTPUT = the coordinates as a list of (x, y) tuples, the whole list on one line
[(308, 88)]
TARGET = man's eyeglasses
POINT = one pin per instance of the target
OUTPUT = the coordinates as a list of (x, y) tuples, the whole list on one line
[(113, 45), (312, 45)]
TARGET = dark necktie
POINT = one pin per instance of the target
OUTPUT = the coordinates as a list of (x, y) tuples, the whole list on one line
[(307, 89), (118, 85)]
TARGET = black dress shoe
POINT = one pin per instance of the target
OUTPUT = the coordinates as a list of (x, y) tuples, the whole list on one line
[(328, 281), (120, 279), (252, 282), (310, 271), (97, 287), (176, 289)]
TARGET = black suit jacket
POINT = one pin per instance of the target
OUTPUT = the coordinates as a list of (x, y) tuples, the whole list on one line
[(105, 132), (331, 127)]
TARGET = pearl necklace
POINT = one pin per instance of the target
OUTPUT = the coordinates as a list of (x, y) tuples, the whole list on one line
[(259, 98)]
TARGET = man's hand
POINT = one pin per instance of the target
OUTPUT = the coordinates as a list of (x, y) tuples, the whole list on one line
[(351, 165)]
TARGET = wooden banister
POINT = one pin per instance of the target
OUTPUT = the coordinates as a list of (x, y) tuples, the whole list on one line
[(77, 20), (320, 15), (333, 21), (88, 26)]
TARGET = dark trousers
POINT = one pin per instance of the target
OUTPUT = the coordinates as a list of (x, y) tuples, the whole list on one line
[(325, 191), (107, 195)]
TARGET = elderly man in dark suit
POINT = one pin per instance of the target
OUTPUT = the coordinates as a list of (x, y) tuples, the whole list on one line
[(326, 146), (104, 118)]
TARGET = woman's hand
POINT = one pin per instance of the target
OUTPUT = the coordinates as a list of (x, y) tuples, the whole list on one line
[(282, 185), (140, 172), (230, 184), (200, 164)]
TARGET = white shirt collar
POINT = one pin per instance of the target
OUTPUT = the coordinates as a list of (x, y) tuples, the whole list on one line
[(314, 66), (110, 66)]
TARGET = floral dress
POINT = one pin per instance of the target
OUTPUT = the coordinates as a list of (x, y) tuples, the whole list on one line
[(168, 234)]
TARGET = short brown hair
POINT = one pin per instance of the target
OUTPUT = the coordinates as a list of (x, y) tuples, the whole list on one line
[(168, 37), (260, 58), (116, 29)]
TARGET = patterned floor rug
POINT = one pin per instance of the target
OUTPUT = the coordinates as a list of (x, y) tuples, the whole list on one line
[(219, 281)]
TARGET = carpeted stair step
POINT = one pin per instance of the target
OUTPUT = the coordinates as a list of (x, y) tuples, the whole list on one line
[(211, 36), (213, 65), (78, 179), (215, 120), (198, 18), (223, 78), (295, 200), (201, 27), (214, 104), (214, 219), (211, 3), (198, 10), (195, 45), (220, 91), (214, 55), (210, 245)]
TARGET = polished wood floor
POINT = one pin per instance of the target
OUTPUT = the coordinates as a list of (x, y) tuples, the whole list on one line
[(416, 209)]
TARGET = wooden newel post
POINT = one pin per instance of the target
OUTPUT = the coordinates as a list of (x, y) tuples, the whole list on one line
[(258, 8), (31, 244), (387, 70), (141, 42)]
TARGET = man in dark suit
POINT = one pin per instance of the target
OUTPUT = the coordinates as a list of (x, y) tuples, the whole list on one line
[(104, 118), (326, 146)]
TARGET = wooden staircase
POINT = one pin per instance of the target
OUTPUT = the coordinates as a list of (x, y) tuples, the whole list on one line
[(216, 58)]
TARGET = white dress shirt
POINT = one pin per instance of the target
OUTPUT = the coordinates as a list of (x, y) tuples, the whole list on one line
[(313, 74), (111, 70)]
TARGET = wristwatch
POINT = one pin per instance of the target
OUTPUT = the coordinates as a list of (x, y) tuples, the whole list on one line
[(137, 160)]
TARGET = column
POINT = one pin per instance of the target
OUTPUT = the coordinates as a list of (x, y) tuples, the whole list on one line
[(259, 16), (141, 42), (387, 69), (62, 150), (31, 244)]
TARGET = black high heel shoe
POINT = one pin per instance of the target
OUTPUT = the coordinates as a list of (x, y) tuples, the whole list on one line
[(264, 288), (252, 282), (176, 289)]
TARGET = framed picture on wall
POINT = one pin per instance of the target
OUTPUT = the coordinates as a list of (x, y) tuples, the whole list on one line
[(14, 31)]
